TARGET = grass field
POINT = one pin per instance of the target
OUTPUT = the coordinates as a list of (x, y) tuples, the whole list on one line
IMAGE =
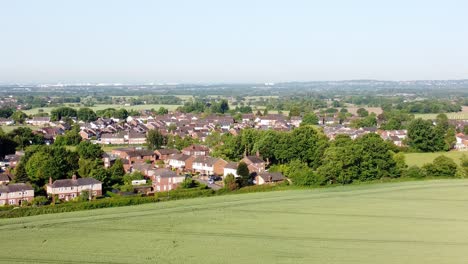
[(104, 106), (420, 159), (7, 129), (412, 222)]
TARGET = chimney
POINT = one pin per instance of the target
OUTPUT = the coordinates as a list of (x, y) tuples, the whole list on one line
[(74, 177), (50, 180)]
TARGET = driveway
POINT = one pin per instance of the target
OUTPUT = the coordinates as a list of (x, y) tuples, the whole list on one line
[(212, 186)]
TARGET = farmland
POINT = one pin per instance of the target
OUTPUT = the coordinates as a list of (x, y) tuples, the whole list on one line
[(411, 222), (420, 159), (104, 106)]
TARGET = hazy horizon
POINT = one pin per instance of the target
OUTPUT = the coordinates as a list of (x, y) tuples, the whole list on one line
[(137, 42)]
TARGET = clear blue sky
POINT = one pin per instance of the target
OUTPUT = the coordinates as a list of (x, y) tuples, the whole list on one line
[(232, 41)]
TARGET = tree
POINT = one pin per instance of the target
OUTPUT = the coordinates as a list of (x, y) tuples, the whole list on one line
[(61, 112), (188, 183), (442, 166), (88, 150), (154, 139), (295, 111), (7, 146), (116, 172), (23, 137), (129, 177), (414, 172), (230, 182), (301, 174), (162, 111), (243, 172), (86, 114), (19, 117), (310, 119), (362, 112), (421, 136), (121, 113), (71, 138)]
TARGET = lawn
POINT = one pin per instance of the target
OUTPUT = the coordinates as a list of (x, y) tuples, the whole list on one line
[(420, 159), (411, 222), (7, 129), (104, 106)]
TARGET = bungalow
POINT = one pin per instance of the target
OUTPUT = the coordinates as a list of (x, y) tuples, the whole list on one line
[(255, 163), (69, 189), (16, 194), (166, 180), (268, 177), (209, 165)]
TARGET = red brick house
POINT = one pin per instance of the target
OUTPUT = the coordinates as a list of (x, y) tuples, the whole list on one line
[(255, 163), (163, 154), (166, 180), (181, 162), (16, 194), (135, 154), (68, 189)]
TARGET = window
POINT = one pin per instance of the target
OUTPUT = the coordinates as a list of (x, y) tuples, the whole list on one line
[(11, 202), (25, 193)]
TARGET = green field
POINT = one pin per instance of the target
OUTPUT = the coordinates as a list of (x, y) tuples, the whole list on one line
[(458, 116), (420, 159), (412, 222), (104, 106)]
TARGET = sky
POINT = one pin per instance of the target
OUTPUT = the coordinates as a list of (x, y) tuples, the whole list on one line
[(202, 41)]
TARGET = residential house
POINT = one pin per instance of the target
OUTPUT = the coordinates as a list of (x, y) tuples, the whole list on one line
[(6, 122), (268, 177), (5, 178), (16, 194), (255, 163), (136, 138), (196, 150), (166, 180), (39, 121), (135, 154), (461, 142), (68, 189), (117, 138), (231, 168), (209, 165), (181, 162), (164, 154)]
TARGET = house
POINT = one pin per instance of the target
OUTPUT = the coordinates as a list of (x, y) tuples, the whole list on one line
[(181, 161), (255, 163), (136, 138), (117, 138), (231, 168), (6, 121), (164, 154), (39, 121), (166, 180), (196, 150), (209, 165), (5, 178), (268, 177), (135, 154), (69, 189), (461, 142), (16, 194)]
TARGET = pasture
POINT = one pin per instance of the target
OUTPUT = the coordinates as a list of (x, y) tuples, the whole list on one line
[(409, 222), (420, 159), (104, 106)]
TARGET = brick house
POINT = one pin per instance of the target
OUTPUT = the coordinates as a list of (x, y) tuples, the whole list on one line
[(196, 150), (268, 177), (163, 154), (255, 163), (5, 178), (181, 162), (209, 165), (68, 189), (136, 138), (135, 154), (166, 180), (39, 121), (16, 194)]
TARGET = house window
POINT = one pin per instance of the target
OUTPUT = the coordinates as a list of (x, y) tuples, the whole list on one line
[(11, 202), (25, 193)]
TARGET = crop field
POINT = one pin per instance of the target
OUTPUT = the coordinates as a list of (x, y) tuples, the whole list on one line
[(411, 222), (104, 106), (420, 159)]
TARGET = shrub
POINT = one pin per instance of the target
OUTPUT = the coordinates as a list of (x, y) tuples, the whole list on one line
[(414, 172)]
